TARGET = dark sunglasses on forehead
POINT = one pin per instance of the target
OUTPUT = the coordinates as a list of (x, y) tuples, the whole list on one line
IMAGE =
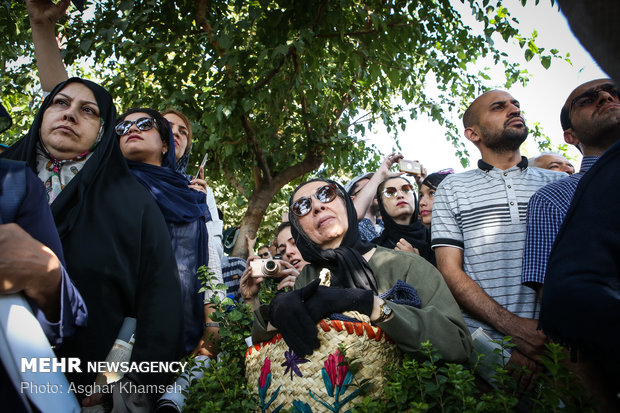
[(325, 194), (143, 124), (591, 96), (391, 191)]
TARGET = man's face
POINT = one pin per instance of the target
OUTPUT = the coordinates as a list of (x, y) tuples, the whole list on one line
[(264, 252), (500, 126), (555, 163), (594, 112)]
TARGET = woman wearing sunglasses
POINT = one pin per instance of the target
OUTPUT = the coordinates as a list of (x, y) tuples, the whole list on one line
[(399, 211), (324, 226), (148, 144), (112, 233)]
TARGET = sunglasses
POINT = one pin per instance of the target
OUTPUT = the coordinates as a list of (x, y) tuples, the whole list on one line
[(591, 96), (391, 191), (143, 124), (325, 194), (264, 255)]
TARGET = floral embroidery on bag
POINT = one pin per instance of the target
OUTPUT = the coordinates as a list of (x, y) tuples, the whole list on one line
[(264, 381)]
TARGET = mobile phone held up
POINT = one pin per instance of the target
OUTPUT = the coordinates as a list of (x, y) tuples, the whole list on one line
[(410, 167), (265, 267)]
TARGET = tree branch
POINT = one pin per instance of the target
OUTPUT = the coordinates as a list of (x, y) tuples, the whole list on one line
[(260, 155), (362, 32), (304, 111), (233, 181), (271, 74), (201, 19)]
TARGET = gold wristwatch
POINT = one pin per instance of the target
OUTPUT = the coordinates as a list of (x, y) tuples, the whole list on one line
[(384, 312)]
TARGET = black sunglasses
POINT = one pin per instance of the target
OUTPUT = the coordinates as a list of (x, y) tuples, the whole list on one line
[(391, 191), (264, 254), (591, 96), (325, 194), (143, 124)]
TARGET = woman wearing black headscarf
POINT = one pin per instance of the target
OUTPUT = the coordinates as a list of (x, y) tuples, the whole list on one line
[(114, 237), (324, 226), (399, 211), (148, 145)]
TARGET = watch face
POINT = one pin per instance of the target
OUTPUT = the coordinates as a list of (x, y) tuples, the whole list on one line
[(386, 310)]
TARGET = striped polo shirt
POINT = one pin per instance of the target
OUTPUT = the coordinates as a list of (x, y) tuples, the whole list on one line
[(483, 212)]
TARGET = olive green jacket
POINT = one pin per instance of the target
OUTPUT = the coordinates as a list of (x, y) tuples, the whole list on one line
[(438, 320)]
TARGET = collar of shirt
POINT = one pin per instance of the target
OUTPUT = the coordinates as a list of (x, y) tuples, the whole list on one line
[(488, 168), (586, 163)]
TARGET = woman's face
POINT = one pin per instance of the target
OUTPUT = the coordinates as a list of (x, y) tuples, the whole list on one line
[(71, 122), (142, 146), (326, 224), (426, 196), (401, 205), (288, 249), (180, 132)]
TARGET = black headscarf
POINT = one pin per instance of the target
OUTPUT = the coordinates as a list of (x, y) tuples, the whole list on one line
[(117, 250), (348, 267), (415, 233)]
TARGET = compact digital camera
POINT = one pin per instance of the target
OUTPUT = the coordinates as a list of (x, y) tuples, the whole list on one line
[(265, 267), (410, 167)]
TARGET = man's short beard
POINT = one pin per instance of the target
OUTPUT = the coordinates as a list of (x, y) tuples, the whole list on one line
[(601, 138), (508, 141)]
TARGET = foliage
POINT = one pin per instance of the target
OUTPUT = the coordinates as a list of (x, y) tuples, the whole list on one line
[(422, 383), (276, 88)]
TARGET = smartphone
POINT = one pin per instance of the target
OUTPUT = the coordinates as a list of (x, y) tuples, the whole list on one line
[(265, 267), (202, 164), (410, 167)]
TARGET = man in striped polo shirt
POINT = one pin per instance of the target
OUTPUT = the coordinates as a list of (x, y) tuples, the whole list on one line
[(478, 228)]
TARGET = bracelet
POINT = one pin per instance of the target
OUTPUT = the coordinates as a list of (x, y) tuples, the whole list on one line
[(212, 324)]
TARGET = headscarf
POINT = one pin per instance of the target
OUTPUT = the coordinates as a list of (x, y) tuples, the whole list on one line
[(117, 250), (178, 202), (433, 180), (66, 207), (415, 232), (348, 267)]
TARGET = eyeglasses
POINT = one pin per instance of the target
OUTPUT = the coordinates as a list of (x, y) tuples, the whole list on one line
[(264, 254), (591, 96), (325, 194), (142, 124), (391, 191)]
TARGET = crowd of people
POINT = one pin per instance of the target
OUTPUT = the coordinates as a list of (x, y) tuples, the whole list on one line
[(106, 225)]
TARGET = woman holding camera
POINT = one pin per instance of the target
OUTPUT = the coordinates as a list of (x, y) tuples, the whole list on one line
[(399, 210), (324, 226)]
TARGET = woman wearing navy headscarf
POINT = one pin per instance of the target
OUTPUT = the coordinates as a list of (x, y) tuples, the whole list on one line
[(148, 145)]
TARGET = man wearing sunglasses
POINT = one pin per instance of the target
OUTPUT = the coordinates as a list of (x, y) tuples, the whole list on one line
[(581, 292), (478, 228), (263, 252), (590, 120)]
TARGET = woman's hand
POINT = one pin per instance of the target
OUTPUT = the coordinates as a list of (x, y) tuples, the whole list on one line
[(288, 275), (199, 183), (404, 245), (385, 169), (45, 11), (249, 286)]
